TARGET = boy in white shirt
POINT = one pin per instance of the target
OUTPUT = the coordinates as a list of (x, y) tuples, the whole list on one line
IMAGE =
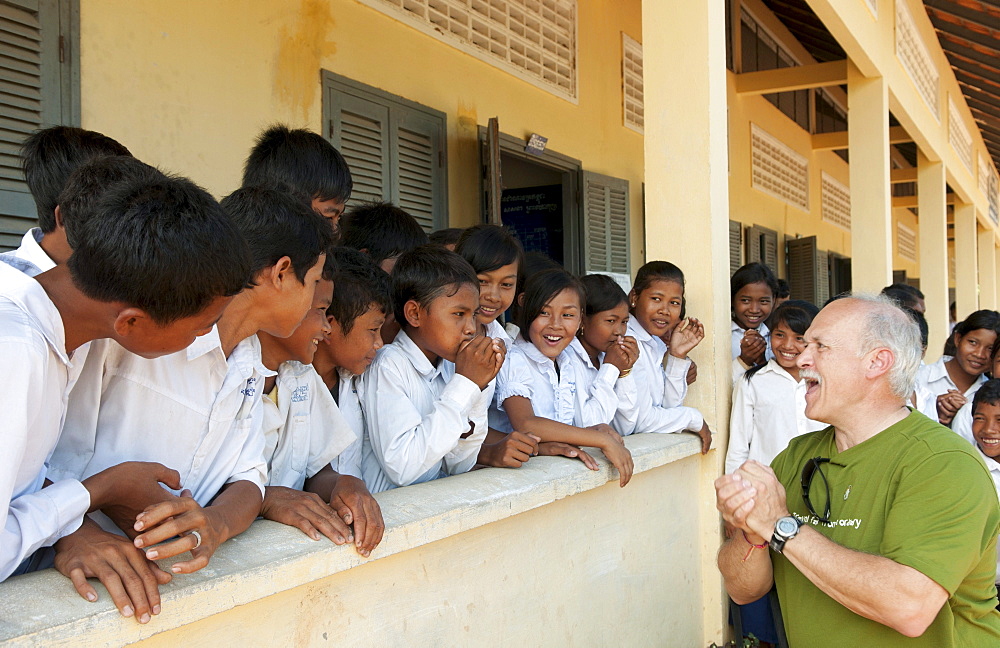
[(127, 280), (304, 432), (423, 396), (48, 158), (199, 410), (986, 433)]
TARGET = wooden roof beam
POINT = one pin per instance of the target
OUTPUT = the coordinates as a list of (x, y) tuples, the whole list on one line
[(799, 77), (900, 176), (910, 202)]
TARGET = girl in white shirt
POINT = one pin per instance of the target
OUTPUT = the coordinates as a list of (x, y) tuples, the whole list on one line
[(549, 318), (952, 381), (769, 400), (752, 292), (498, 258), (660, 372), (606, 353)]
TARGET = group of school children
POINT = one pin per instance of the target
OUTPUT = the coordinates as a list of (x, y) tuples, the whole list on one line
[(176, 367), (768, 405)]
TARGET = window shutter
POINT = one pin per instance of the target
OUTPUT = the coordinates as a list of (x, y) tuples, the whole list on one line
[(735, 246), (822, 277), (35, 92), (606, 229), (361, 133), (800, 255), (753, 243), (395, 148), (769, 249)]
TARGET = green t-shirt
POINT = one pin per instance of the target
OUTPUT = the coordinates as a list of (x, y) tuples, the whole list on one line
[(916, 493)]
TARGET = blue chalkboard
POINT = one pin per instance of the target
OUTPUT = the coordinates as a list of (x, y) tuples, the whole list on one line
[(535, 215)]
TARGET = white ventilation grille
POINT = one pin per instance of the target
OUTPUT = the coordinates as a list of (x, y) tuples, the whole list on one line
[(836, 202), (984, 174), (993, 195), (873, 5), (533, 39), (906, 242), (959, 136), (634, 110), (915, 57), (778, 170)]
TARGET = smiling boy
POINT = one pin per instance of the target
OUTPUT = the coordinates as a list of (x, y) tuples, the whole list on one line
[(423, 396)]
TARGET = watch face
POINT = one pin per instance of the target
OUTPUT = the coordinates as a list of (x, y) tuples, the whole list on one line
[(786, 526)]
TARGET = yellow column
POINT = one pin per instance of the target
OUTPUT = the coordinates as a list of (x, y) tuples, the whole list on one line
[(933, 225), (687, 221), (966, 297), (987, 269), (871, 199)]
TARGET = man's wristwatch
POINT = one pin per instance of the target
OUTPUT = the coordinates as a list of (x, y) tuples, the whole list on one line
[(785, 529)]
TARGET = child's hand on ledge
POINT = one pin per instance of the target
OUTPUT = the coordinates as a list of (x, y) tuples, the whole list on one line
[(355, 505), (614, 449), (559, 449), (705, 435), (307, 512), (131, 580), (198, 530), (510, 452), (123, 491)]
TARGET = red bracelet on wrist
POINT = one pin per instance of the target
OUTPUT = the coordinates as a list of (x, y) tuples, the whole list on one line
[(752, 546)]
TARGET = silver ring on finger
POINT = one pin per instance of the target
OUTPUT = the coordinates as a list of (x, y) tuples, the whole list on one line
[(198, 538)]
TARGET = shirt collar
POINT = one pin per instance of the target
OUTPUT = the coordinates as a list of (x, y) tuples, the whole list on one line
[(31, 250), (247, 359), (416, 357), (496, 330), (636, 330), (32, 299), (762, 329), (533, 353), (204, 344), (937, 370), (775, 368)]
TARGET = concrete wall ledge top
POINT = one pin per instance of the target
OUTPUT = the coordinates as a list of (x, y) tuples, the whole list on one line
[(43, 608)]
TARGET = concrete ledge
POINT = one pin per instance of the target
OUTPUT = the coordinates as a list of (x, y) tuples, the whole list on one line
[(44, 609)]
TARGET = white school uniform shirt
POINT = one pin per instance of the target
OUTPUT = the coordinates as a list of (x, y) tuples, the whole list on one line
[(512, 380), (303, 431), (194, 411), (600, 395), (416, 415), (962, 424), (348, 462), (738, 333), (553, 394), (660, 389), (29, 257), (34, 383), (933, 380), (768, 412)]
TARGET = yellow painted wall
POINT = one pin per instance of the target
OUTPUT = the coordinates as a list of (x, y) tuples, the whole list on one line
[(187, 85), (753, 207)]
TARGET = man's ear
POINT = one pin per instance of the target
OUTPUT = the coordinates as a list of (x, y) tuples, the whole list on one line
[(411, 310), (129, 320), (880, 363), (59, 218)]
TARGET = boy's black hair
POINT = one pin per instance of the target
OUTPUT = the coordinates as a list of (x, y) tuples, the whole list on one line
[(535, 262), (603, 293), (905, 295), (299, 158), (784, 290), (539, 289), (424, 274), (656, 271), (447, 236), (165, 246), (751, 273), (49, 156), (330, 266), (358, 284), (988, 392), (797, 314), (92, 180), (490, 247), (904, 287), (921, 321), (275, 225), (382, 230)]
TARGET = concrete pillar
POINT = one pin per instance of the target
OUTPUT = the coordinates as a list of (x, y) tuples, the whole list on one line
[(687, 220), (966, 293), (987, 269), (932, 221), (871, 197)]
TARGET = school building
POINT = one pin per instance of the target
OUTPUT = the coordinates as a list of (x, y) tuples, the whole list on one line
[(846, 143)]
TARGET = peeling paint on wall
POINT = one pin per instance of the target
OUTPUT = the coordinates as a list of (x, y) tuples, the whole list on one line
[(301, 49)]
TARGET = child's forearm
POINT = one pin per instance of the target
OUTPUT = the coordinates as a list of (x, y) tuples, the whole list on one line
[(323, 482), (235, 508), (549, 430)]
